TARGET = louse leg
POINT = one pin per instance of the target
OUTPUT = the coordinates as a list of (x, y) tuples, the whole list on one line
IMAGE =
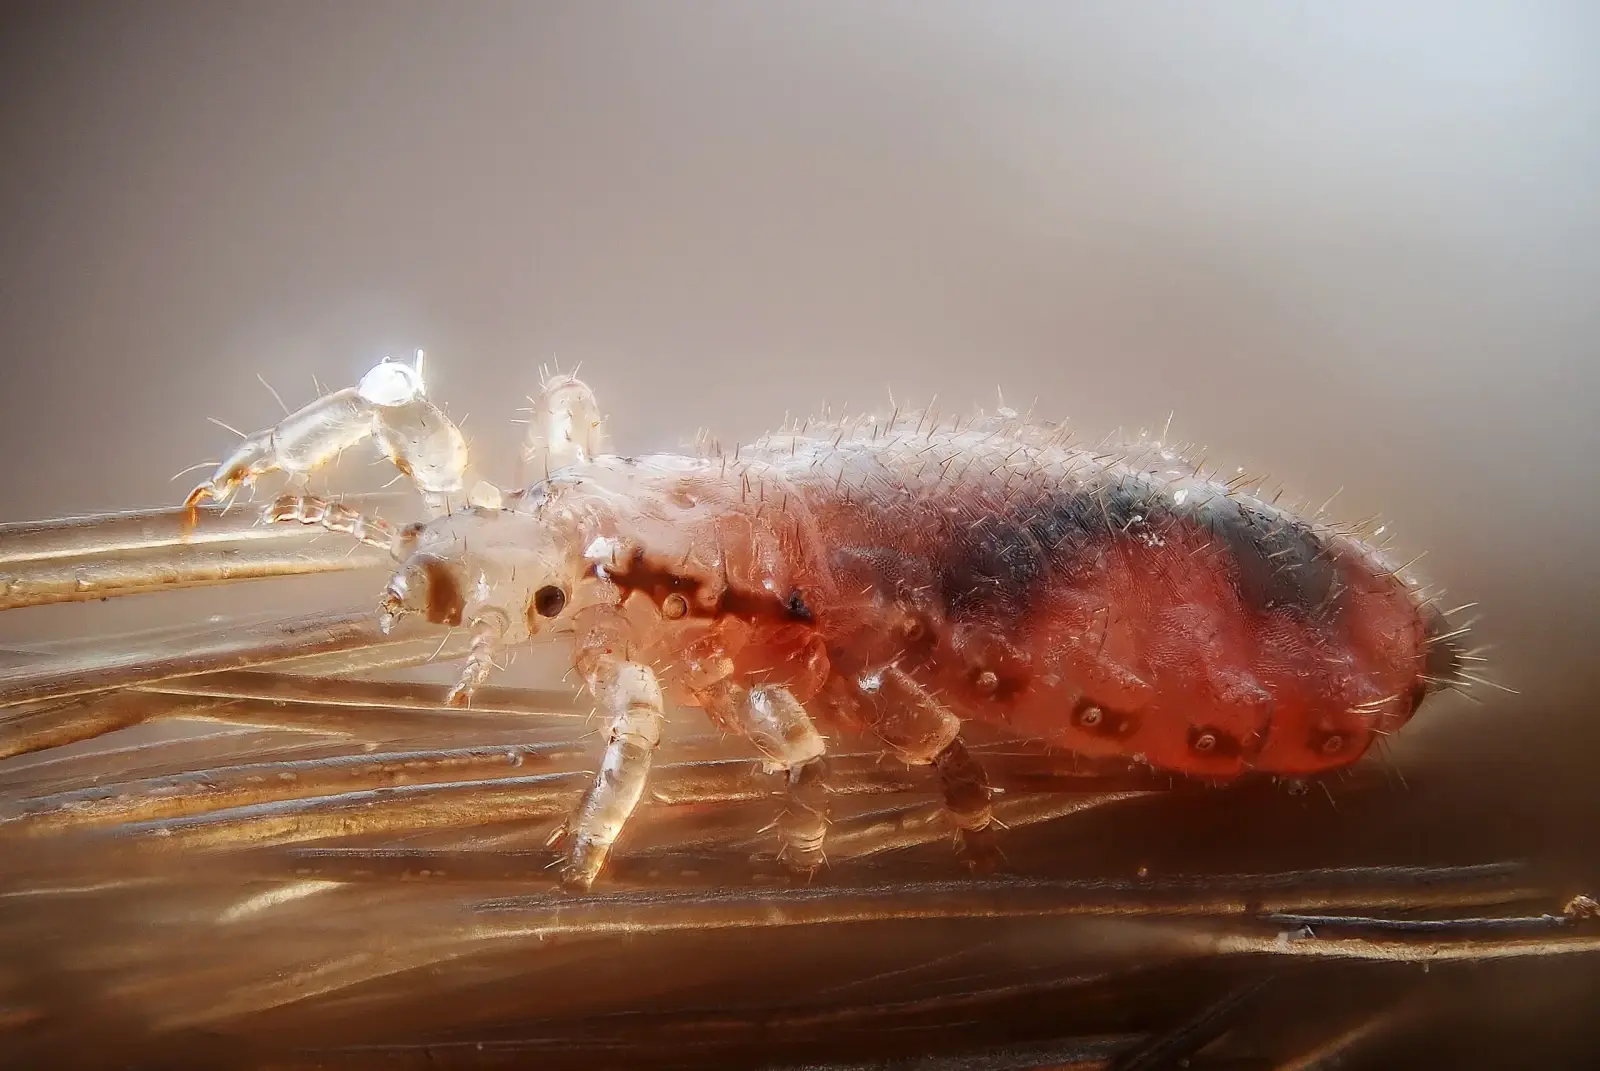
[(489, 623), (630, 695), (775, 722), (488, 633), (335, 517), (564, 427), (922, 731), (968, 801), (388, 406)]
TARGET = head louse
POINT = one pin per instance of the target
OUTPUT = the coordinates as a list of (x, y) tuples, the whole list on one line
[(907, 574)]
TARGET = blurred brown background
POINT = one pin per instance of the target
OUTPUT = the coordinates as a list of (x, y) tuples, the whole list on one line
[(1353, 245)]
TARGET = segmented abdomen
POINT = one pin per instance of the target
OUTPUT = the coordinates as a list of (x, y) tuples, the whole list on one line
[(1114, 604)]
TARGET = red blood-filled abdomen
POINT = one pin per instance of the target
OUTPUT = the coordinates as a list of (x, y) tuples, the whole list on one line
[(1205, 636)]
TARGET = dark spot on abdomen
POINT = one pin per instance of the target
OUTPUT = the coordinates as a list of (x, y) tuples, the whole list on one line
[(1278, 563), (1065, 525), (1000, 565), (992, 566)]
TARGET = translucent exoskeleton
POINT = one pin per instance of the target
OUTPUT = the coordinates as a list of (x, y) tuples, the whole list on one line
[(896, 576)]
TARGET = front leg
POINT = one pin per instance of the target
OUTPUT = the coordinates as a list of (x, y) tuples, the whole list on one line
[(630, 696), (390, 407)]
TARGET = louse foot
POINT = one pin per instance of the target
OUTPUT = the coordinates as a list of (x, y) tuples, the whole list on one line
[(968, 802), (585, 858), (803, 827), (487, 632)]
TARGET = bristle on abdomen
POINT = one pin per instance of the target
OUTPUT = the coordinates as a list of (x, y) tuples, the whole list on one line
[(1443, 664)]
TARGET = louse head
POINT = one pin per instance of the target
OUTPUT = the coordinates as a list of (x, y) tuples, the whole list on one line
[(483, 565)]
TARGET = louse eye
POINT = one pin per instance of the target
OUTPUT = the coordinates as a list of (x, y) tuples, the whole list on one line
[(549, 601)]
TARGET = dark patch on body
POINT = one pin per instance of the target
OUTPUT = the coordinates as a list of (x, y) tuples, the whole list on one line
[(948, 605), (1279, 563), (884, 569), (445, 601), (996, 567), (1069, 524), (657, 582), (991, 568), (796, 605)]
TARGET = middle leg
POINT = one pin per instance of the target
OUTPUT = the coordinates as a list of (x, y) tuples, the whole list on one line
[(774, 721)]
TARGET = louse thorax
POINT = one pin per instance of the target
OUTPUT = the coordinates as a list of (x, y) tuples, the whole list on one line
[(709, 578)]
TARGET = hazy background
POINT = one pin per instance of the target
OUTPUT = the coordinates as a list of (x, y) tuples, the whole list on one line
[(1350, 244)]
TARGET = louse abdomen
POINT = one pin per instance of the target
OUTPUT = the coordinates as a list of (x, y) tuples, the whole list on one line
[(1175, 624), (1113, 613)]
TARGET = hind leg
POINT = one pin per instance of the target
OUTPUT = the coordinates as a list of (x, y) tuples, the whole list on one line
[(923, 732)]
